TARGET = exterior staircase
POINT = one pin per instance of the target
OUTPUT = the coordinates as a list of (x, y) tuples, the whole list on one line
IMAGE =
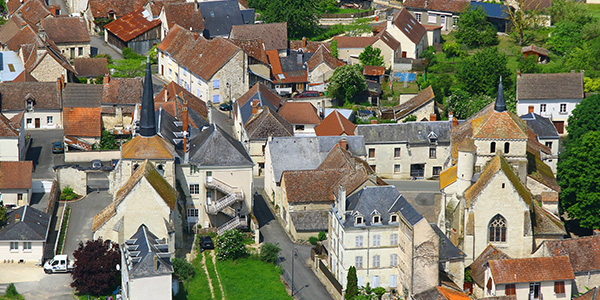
[(231, 224), (231, 196)]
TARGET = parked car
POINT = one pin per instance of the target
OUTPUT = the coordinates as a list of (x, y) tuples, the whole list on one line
[(57, 147), (96, 164), (59, 264), (226, 106), (206, 242), (307, 94)]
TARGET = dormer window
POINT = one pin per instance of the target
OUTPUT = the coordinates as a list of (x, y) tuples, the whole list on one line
[(433, 138), (394, 218), (376, 219), (359, 220), (30, 101)]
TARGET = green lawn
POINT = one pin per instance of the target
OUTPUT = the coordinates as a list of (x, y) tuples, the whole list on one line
[(251, 279), (210, 266), (197, 287), (412, 88), (595, 9)]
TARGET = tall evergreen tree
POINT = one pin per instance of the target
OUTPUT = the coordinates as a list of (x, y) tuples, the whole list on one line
[(351, 284)]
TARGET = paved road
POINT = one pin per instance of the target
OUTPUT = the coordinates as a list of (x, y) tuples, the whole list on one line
[(99, 46), (305, 281), (31, 282), (40, 152)]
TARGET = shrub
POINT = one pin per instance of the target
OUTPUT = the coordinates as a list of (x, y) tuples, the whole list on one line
[(11, 291), (322, 236), (230, 245), (182, 268), (269, 252), (313, 240), (68, 194)]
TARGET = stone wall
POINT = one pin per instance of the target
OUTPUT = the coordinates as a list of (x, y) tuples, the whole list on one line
[(74, 178)]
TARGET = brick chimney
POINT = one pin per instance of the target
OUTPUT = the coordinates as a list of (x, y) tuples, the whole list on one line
[(303, 42), (343, 143), (255, 106), (166, 92), (106, 80), (62, 81), (373, 121), (518, 73), (432, 117), (454, 122)]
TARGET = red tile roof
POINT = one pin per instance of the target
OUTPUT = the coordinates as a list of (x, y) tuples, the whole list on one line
[(388, 39), (122, 91), (82, 121), (335, 124), (455, 6), (141, 147), (7, 127), (451, 294), (167, 98), (409, 26), (373, 70), (299, 113), (101, 8), (583, 252), (15, 174), (66, 30), (34, 10), (274, 35), (535, 269), (323, 55), (254, 48), (92, 67), (354, 41), (478, 266), (423, 97), (186, 15), (132, 25)]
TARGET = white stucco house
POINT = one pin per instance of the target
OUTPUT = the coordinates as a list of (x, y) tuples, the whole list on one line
[(24, 236)]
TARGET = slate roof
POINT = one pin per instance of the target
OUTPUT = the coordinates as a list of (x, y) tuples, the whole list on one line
[(299, 113), (492, 10), (146, 254), (423, 97), (583, 252), (531, 269), (158, 183), (220, 16), (409, 26), (154, 147), (66, 30), (273, 35), (306, 153), (82, 95), (310, 220), (186, 15), (542, 126), (447, 250), (455, 6), (550, 86), (132, 25), (323, 55), (268, 123), (478, 266), (101, 8), (25, 224), (122, 91), (262, 93), (410, 132), (385, 199), (82, 121), (335, 124), (13, 95), (214, 147), (168, 128), (91, 67)]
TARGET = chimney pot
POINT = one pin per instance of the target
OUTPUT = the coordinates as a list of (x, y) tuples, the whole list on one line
[(432, 117), (454, 122), (254, 107), (303, 42), (343, 143), (106, 79), (373, 121)]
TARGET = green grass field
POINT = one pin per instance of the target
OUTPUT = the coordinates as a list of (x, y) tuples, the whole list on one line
[(249, 279), (210, 266), (197, 287)]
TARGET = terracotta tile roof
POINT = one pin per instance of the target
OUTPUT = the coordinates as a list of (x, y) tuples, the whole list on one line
[(11, 28), (15, 174), (589, 295), (335, 124), (91, 67), (132, 25), (388, 39), (431, 27), (455, 6), (66, 30), (373, 70), (175, 106), (273, 56), (549, 197), (122, 91), (535, 49), (536, 4), (448, 176), (531, 269), (253, 48), (299, 113), (8, 128), (583, 252), (145, 170), (13, 5), (451, 294), (550, 86), (323, 55), (478, 266), (14, 95), (354, 41), (156, 6), (307, 46), (306, 186), (33, 11), (292, 77), (264, 90), (186, 15), (154, 147), (268, 123), (25, 76), (170, 37), (409, 26), (274, 35), (101, 8), (25, 36), (82, 121), (423, 97), (17, 119)]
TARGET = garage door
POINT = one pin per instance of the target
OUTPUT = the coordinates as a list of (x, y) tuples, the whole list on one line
[(41, 186)]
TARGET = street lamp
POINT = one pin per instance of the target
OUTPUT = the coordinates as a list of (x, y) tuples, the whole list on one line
[(294, 254)]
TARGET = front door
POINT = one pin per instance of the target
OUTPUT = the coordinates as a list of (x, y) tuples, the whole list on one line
[(37, 122), (534, 291), (443, 22)]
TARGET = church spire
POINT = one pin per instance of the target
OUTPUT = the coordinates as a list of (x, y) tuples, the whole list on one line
[(500, 105), (147, 122)]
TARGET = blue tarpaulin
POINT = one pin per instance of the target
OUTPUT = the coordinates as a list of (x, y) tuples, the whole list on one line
[(402, 76)]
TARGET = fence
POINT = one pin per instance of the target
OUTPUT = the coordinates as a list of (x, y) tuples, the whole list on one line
[(88, 156), (336, 284), (348, 16), (53, 197)]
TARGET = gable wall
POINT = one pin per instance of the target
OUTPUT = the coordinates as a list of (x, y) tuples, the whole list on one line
[(48, 69)]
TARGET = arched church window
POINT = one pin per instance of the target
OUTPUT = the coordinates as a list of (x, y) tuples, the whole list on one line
[(493, 147), (497, 229)]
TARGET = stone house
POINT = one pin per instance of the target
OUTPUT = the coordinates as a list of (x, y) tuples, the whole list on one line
[(214, 70), (422, 106), (82, 112), (437, 12), (349, 48), (137, 30), (410, 34), (478, 267), (407, 150), (70, 35), (15, 183), (321, 66), (546, 278), (40, 101), (181, 104), (553, 96), (391, 245), (303, 115), (23, 237), (257, 97), (120, 100), (106, 10), (259, 69), (146, 267)]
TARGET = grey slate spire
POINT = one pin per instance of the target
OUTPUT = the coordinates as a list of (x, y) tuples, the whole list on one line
[(500, 105), (147, 122)]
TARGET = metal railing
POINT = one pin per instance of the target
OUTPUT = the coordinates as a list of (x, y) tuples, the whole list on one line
[(231, 224), (224, 202)]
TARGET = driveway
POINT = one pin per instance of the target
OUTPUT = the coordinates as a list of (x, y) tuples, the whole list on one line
[(82, 216), (99, 46), (307, 285), (31, 282), (40, 152)]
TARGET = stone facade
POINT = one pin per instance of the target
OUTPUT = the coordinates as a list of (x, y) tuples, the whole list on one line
[(48, 70), (73, 178), (74, 50)]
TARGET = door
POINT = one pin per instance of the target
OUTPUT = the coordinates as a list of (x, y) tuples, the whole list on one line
[(37, 122), (530, 109), (560, 126), (417, 170), (534, 290), (162, 70), (443, 22)]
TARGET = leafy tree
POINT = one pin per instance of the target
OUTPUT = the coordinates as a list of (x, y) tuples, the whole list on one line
[(259, 5), (107, 141), (522, 20), (584, 118), (567, 10), (371, 57), (313, 240), (379, 291), (409, 118), (480, 73), (465, 105), (95, 270), (127, 68), (269, 252), (529, 64), (351, 284), (68, 194), (591, 85), (474, 30), (230, 245), (334, 49), (452, 49), (565, 36), (3, 216), (182, 269), (346, 83), (300, 15), (322, 235)]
